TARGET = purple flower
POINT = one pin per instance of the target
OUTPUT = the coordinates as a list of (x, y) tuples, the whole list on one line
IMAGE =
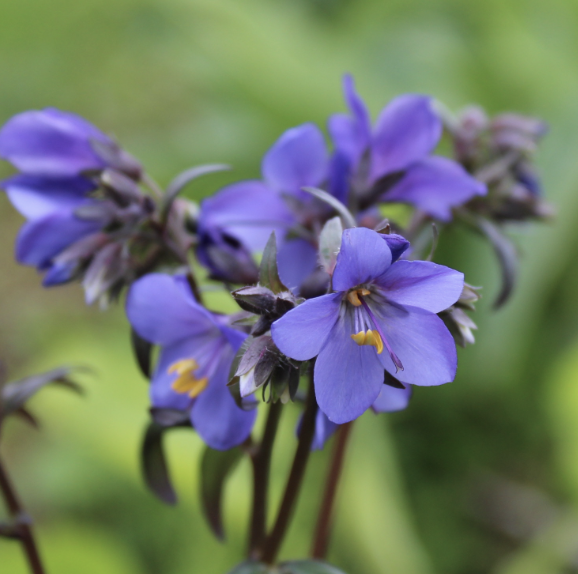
[(405, 134), (381, 316), (52, 149), (249, 211), (56, 144), (390, 400), (63, 159), (197, 350), (49, 205)]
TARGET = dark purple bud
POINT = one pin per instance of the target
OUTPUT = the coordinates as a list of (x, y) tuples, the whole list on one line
[(107, 268), (523, 124), (257, 299), (226, 258), (123, 188), (112, 155)]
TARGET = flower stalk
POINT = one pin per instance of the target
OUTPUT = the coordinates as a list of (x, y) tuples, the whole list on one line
[(295, 480), (325, 518), (23, 530), (261, 460)]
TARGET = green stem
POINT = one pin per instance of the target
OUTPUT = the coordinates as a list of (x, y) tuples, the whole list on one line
[(23, 529), (261, 460), (295, 480), (324, 521)]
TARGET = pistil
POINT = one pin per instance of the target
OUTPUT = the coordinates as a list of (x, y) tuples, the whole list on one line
[(398, 364)]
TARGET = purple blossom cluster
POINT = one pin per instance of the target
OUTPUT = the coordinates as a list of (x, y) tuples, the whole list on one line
[(342, 291)]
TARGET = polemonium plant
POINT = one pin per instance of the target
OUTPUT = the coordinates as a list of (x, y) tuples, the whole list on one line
[(343, 311)]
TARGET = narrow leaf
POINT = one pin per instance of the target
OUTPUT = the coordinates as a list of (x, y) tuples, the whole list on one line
[(330, 243), (15, 395), (268, 274), (184, 178), (345, 214), (251, 567), (308, 567), (507, 257), (154, 464), (434, 242), (216, 467), (142, 350)]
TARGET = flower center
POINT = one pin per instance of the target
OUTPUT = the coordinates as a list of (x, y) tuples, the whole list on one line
[(367, 326), (187, 382)]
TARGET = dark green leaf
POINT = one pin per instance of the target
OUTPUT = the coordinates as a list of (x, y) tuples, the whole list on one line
[(154, 464), (308, 567), (507, 257), (170, 417), (27, 416), (268, 274), (251, 567), (15, 395), (142, 351), (216, 468)]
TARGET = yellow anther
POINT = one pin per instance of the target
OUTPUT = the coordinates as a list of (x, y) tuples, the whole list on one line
[(186, 382), (359, 338), (374, 338), (370, 337), (353, 298)]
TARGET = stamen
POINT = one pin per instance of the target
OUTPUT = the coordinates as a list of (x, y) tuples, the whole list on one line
[(353, 296), (359, 338), (374, 338), (187, 382), (369, 337), (398, 364)]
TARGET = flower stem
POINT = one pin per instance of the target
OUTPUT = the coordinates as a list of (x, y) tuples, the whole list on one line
[(261, 460), (324, 521), (295, 480), (23, 529)]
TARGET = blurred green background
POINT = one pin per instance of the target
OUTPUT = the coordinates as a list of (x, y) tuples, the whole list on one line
[(480, 476)]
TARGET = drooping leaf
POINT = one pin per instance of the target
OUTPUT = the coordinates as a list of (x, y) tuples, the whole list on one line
[(507, 257), (251, 567), (329, 243), (344, 213), (143, 352), (308, 567), (434, 242), (154, 465), (184, 178), (27, 416), (170, 417), (268, 274), (216, 467), (15, 394)]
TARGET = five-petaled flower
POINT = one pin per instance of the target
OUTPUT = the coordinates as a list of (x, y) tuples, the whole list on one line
[(382, 315), (399, 146), (197, 350)]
